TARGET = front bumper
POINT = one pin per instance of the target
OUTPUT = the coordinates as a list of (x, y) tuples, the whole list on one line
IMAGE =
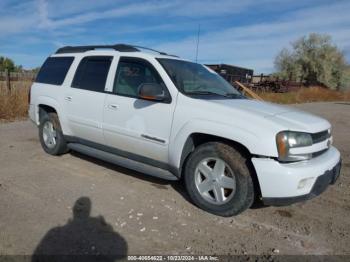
[(321, 184), (287, 183)]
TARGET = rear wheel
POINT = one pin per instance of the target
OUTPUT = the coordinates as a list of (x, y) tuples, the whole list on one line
[(218, 180), (50, 134)]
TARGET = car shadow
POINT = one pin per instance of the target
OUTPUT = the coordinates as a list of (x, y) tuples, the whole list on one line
[(158, 183), (83, 238)]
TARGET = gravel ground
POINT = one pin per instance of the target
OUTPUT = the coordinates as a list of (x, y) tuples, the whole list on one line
[(45, 203)]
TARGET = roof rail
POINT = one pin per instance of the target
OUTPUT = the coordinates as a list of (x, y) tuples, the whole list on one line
[(117, 47), (150, 49), (81, 49)]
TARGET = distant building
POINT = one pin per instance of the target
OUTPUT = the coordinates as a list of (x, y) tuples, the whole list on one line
[(233, 73)]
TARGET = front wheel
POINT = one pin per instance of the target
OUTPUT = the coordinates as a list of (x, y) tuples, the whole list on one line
[(218, 179), (50, 134)]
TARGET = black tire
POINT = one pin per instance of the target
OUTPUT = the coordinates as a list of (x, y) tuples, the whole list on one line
[(61, 146), (243, 196)]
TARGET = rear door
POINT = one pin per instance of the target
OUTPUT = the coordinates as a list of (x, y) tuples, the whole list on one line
[(140, 129), (84, 100)]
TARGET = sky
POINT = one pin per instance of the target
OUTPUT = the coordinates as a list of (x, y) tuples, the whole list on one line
[(247, 33)]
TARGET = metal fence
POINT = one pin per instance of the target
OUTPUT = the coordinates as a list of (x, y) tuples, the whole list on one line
[(269, 83)]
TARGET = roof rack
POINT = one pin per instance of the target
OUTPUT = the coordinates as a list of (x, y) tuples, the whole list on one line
[(81, 49), (117, 47)]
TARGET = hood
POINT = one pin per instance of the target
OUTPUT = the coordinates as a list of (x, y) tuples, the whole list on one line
[(257, 107), (301, 121), (288, 118)]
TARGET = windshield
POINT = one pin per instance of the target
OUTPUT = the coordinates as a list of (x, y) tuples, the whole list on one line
[(195, 79)]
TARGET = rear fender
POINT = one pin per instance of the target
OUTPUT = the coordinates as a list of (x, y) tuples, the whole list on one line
[(49, 101)]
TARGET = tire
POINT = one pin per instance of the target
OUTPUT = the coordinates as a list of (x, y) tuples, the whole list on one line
[(231, 192), (48, 120)]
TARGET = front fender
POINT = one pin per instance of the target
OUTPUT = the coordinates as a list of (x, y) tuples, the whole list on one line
[(245, 137)]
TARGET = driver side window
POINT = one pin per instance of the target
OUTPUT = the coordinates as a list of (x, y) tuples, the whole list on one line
[(131, 73)]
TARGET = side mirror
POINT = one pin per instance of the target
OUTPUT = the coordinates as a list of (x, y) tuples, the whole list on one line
[(151, 91)]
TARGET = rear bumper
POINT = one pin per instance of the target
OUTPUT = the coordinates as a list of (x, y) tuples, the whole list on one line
[(32, 114), (293, 182), (321, 184)]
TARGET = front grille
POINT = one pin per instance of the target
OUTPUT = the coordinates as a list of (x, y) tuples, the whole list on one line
[(320, 136), (316, 154)]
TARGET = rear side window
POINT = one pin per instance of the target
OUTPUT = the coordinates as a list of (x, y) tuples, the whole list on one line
[(92, 73), (54, 70)]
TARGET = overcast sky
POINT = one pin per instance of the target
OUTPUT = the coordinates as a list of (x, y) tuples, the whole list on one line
[(245, 33)]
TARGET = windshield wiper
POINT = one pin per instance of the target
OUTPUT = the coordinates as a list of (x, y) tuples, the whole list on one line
[(228, 95), (234, 95)]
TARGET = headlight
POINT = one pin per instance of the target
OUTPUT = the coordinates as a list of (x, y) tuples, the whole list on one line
[(289, 139)]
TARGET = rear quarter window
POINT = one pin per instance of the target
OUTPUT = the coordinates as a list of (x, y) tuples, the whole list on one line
[(54, 70)]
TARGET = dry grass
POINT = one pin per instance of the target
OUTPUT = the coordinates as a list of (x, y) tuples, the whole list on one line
[(14, 104), (306, 95)]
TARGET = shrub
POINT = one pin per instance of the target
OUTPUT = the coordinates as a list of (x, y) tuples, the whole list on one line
[(314, 60)]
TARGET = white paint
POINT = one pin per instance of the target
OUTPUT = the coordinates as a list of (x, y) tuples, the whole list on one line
[(120, 122)]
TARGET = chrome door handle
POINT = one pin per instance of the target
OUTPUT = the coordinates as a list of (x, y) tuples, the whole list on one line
[(113, 106), (68, 98)]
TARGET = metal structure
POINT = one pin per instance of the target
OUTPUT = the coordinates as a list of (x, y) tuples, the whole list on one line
[(233, 73), (270, 83)]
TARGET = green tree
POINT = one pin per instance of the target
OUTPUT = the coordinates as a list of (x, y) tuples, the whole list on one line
[(346, 79), (6, 63), (313, 60)]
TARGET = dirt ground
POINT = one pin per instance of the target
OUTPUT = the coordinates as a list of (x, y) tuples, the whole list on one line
[(45, 202)]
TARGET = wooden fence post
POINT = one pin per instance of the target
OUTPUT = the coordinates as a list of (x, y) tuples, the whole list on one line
[(250, 92), (8, 80)]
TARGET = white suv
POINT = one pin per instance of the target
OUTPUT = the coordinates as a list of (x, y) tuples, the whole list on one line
[(175, 119)]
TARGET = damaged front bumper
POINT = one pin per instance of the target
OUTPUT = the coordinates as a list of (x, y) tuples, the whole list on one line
[(288, 183)]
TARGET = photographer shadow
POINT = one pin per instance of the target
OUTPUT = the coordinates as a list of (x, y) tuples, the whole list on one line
[(83, 238)]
